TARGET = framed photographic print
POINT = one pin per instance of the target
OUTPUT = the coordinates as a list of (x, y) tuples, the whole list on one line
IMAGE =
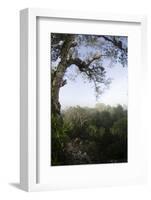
[(81, 87)]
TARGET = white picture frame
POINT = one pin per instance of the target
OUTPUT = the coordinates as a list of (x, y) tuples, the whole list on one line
[(29, 148)]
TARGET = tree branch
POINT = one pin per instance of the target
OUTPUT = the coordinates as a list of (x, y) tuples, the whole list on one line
[(83, 65), (115, 42)]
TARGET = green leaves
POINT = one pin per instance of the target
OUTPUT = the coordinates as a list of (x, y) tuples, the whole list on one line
[(120, 127), (90, 135)]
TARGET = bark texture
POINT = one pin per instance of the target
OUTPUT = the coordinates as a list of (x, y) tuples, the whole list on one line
[(57, 77)]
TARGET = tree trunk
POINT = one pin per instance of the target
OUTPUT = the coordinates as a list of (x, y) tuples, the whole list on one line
[(55, 88), (58, 75)]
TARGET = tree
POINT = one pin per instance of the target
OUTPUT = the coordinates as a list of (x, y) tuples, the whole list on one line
[(88, 135), (66, 51)]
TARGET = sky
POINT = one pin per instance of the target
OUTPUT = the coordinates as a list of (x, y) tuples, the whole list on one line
[(81, 92)]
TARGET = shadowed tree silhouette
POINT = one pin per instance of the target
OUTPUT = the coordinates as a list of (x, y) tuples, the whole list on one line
[(65, 52)]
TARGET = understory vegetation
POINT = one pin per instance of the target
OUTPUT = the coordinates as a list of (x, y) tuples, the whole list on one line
[(86, 135)]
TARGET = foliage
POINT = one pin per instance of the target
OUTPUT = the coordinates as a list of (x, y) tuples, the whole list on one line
[(89, 54), (90, 135), (87, 135)]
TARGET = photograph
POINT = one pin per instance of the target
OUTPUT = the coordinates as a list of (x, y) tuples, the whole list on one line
[(89, 99)]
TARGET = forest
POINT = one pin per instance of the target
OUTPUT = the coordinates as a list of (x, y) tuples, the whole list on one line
[(90, 136), (82, 133)]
